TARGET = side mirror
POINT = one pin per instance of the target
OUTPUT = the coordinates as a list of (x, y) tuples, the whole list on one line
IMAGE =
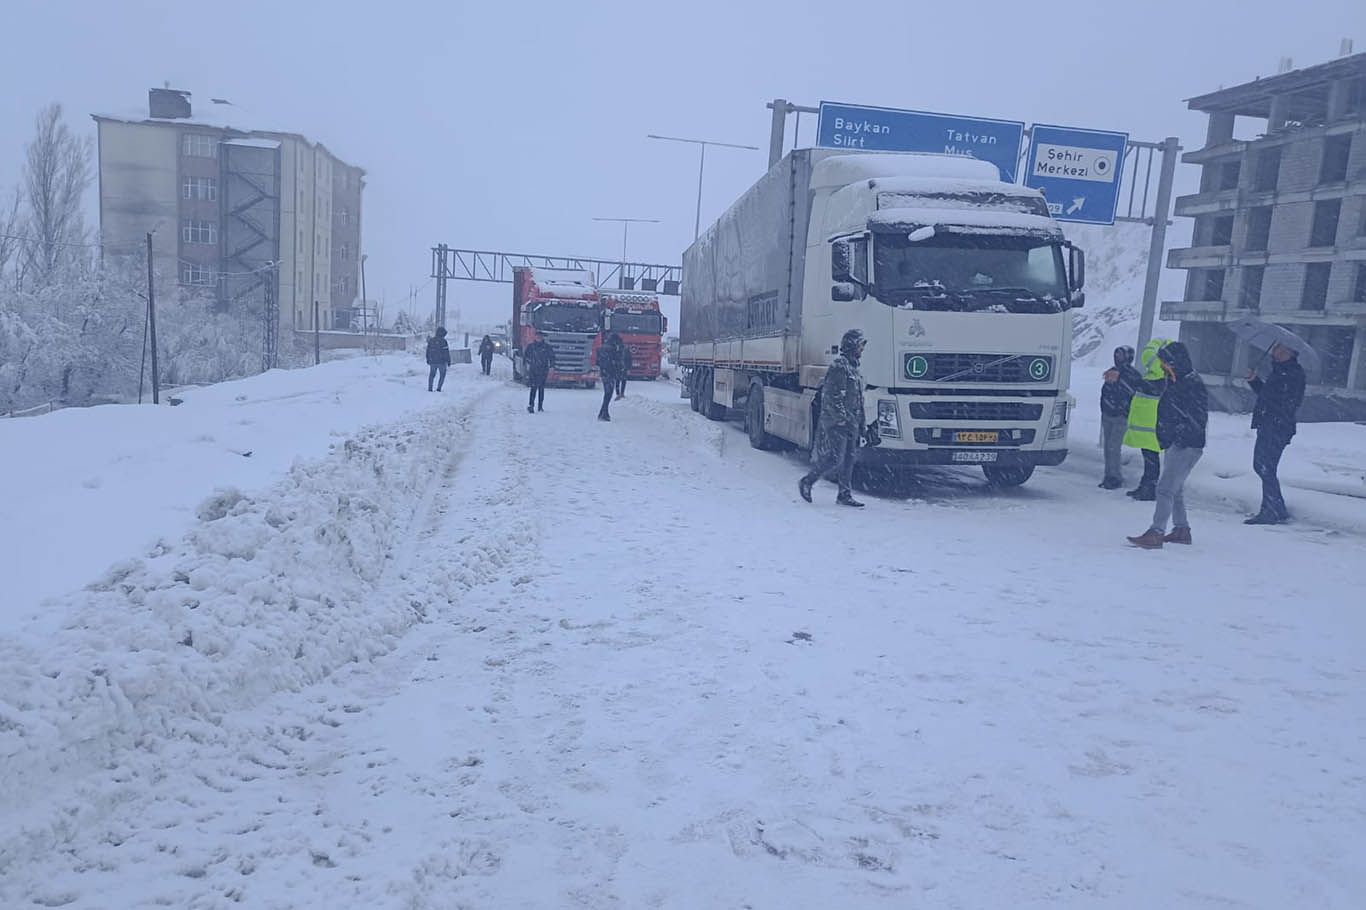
[(1076, 267), (841, 261), (846, 292), (1078, 299)]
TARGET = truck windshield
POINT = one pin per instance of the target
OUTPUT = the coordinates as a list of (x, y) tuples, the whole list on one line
[(970, 272), (636, 323), (554, 317)]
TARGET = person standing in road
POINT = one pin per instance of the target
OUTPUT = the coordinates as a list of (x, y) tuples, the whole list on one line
[(626, 362), (1142, 432), (486, 354), (438, 359), (840, 427), (612, 359), (1273, 417), (1182, 414), (1116, 395), (539, 359)]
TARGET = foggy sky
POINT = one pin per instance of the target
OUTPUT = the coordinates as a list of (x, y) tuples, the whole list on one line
[(510, 125)]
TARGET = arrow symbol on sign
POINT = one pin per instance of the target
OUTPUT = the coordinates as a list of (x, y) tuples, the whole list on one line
[(1076, 205)]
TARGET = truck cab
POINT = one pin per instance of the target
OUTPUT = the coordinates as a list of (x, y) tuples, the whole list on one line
[(563, 305), (637, 319)]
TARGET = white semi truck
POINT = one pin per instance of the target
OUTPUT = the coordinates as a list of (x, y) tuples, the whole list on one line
[(962, 285)]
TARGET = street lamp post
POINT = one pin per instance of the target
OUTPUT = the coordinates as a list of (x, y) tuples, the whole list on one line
[(626, 226), (701, 166)]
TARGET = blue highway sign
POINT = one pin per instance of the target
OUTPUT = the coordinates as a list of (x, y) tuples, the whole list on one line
[(861, 128), (1077, 170)]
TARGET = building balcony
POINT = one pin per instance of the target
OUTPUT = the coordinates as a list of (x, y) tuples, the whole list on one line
[(1201, 257), (1200, 311), (1208, 203)]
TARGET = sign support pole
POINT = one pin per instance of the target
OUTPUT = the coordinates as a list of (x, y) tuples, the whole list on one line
[(1170, 149)]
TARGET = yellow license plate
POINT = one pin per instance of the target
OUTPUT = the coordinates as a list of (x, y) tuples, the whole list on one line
[(975, 437)]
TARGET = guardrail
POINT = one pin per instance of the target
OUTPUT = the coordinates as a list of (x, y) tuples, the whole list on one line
[(46, 408)]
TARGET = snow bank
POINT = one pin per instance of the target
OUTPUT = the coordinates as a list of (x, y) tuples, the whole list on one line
[(84, 487)]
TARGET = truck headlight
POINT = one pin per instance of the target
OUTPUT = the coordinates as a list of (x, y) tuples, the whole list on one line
[(1057, 423), (888, 420)]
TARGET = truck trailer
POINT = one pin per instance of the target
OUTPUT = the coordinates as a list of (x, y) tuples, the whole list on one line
[(961, 283), (637, 319), (563, 305)]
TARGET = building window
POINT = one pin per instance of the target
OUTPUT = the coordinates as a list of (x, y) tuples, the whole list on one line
[(199, 231), (1258, 228), (1250, 295), (345, 251), (1207, 284), (191, 273), (301, 240), (1360, 295), (1220, 229), (1316, 277), (345, 215), (1336, 152), (1227, 175), (1268, 175), (199, 145), (204, 189), (1325, 228)]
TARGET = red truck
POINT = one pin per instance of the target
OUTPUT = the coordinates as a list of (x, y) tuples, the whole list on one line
[(637, 319), (563, 305)]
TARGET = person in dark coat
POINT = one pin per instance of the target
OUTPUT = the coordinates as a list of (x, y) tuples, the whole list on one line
[(1273, 417), (625, 371), (486, 354), (841, 425), (1117, 393), (438, 359), (1182, 415), (539, 360), (612, 359)]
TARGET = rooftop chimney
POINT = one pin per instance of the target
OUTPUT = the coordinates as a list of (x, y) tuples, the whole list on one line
[(1286, 66), (168, 104), (1345, 50)]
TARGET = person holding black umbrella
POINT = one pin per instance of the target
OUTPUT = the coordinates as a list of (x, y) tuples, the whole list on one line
[(1273, 417)]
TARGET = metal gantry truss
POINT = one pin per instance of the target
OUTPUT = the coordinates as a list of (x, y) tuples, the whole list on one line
[(451, 264)]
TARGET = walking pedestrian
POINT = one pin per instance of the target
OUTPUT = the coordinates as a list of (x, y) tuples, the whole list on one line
[(1142, 431), (1116, 395), (612, 359), (626, 362), (539, 360), (1182, 414), (486, 354), (1273, 417), (438, 359), (841, 426)]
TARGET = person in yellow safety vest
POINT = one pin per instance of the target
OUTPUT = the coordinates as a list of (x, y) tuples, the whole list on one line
[(1142, 432)]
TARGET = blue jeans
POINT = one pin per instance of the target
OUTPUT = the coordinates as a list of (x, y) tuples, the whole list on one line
[(433, 371)]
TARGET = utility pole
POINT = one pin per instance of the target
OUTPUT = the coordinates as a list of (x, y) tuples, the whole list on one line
[(781, 107), (625, 227), (1171, 148), (701, 166), (152, 324), (317, 339), (364, 299)]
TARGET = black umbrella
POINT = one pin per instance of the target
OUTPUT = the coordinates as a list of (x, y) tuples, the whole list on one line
[(1266, 335)]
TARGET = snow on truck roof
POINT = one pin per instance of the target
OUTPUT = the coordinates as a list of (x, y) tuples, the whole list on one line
[(568, 283), (841, 170), (965, 221)]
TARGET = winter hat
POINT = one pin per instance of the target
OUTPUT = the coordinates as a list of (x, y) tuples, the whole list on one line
[(441, 331), (852, 342), (1126, 351)]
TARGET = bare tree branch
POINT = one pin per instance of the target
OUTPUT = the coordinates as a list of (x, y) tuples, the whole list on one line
[(57, 174)]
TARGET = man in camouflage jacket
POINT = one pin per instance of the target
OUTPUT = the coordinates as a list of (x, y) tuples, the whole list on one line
[(841, 425)]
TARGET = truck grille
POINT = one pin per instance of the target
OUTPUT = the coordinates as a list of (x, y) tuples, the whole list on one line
[(945, 438), (1017, 411), (939, 367), (573, 354)]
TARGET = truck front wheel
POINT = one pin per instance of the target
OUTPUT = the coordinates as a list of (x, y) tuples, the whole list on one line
[(1003, 477)]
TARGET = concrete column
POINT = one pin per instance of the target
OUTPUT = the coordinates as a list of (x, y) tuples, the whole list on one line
[(1338, 93), (1220, 129), (1356, 369), (1280, 112)]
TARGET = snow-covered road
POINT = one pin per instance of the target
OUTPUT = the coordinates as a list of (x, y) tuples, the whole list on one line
[(644, 674)]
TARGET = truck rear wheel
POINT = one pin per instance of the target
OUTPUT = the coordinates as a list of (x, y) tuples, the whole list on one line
[(694, 394), (754, 419), (1003, 477), (710, 409)]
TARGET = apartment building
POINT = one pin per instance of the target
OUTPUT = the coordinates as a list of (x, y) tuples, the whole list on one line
[(245, 210), (1280, 229)]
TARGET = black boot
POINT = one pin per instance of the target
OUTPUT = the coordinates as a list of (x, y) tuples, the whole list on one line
[(804, 488), (847, 499), (1145, 494)]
